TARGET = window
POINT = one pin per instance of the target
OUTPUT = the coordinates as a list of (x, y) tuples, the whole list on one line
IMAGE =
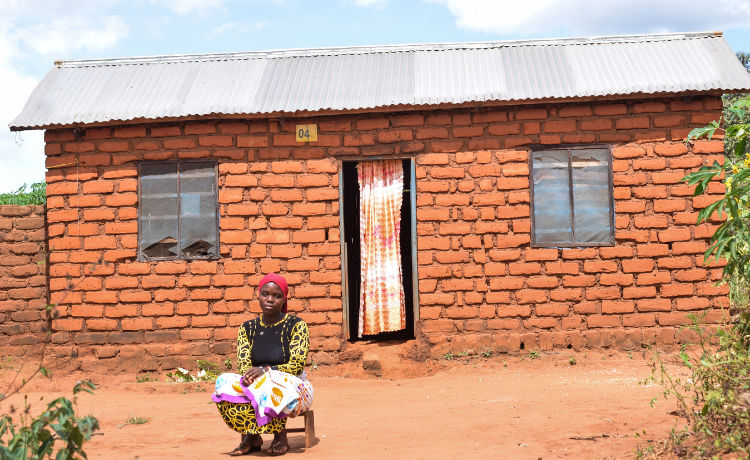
[(571, 196), (178, 216)]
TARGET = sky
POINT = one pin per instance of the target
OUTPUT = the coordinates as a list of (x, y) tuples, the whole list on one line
[(34, 33)]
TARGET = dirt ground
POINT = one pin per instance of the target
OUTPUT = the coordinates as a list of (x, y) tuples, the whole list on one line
[(499, 407)]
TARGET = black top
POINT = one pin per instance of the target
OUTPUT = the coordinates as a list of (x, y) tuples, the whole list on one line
[(282, 346)]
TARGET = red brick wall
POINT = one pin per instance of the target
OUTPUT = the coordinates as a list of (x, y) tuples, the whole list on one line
[(480, 283), (23, 292)]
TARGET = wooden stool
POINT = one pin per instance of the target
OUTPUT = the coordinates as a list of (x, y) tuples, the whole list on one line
[(309, 429)]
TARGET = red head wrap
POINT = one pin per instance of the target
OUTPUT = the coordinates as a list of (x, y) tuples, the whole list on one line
[(280, 281)]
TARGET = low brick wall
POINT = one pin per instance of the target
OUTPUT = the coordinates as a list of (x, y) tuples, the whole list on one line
[(481, 286), (23, 280)]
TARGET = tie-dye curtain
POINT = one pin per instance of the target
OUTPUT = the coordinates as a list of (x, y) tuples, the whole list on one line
[(381, 305)]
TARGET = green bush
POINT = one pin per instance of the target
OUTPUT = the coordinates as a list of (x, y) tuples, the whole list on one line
[(715, 399), (21, 197), (35, 437)]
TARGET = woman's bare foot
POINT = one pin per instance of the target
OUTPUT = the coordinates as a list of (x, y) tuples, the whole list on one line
[(249, 443), (280, 444), (255, 440)]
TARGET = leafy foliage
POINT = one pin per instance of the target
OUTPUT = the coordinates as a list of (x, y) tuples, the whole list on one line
[(739, 292), (145, 378), (731, 241), (744, 59), (715, 400), (35, 437), (208, 371), (533, 354), (729, 100), (21, 197), (134, 420), (31, 437)]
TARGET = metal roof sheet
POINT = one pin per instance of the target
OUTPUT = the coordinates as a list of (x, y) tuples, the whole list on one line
[(355, 78)]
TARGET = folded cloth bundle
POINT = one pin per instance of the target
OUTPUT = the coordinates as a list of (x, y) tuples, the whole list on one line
[(305, 390), (274, 394), (229, 388)]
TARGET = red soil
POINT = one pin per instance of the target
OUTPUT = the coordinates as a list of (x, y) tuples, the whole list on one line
[(525, 410)]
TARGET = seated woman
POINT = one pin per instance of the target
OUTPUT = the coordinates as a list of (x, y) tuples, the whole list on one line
[(274, 341)]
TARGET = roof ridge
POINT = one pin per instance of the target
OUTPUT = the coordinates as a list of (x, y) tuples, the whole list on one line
[(395, 77), (310, 52)]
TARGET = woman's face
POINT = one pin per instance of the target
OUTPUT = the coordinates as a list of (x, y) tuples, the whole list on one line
[(271, 299)]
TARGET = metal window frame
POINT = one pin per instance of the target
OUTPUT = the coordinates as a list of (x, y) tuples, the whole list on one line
[(610, 186), (342, 238), (140, 256)]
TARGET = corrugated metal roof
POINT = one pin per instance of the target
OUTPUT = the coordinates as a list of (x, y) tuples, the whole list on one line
[(355, 78)]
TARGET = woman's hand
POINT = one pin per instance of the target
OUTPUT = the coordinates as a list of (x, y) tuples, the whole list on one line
[(251, 374)]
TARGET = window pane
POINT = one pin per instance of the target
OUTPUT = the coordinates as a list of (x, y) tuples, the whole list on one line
[(159, 210), (551, 197), (198, 210), (592, 208)]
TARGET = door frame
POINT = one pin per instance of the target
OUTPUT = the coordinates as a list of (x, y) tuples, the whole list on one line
[(342, 239)]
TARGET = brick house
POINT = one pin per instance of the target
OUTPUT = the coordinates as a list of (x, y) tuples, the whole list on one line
[(543, 206)]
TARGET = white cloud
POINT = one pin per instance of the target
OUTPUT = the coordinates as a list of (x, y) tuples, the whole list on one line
[(287, 4), (156, 25), (199, 7), (21, 154), (33, 32), (584, 17), (237, 28), (68, 34), (370, 3)]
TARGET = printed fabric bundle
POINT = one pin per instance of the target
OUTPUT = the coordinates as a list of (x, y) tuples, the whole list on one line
[(274, 394)]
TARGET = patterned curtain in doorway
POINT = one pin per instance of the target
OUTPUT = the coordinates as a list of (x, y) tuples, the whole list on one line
[(381, 305)]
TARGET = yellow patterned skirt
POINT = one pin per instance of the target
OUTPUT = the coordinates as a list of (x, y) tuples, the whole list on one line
[(241, 418)]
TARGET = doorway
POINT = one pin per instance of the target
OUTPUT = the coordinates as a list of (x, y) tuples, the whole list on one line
[(350, 252)]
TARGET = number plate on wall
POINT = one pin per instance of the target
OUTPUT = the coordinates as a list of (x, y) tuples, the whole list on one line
[(307, 133)]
